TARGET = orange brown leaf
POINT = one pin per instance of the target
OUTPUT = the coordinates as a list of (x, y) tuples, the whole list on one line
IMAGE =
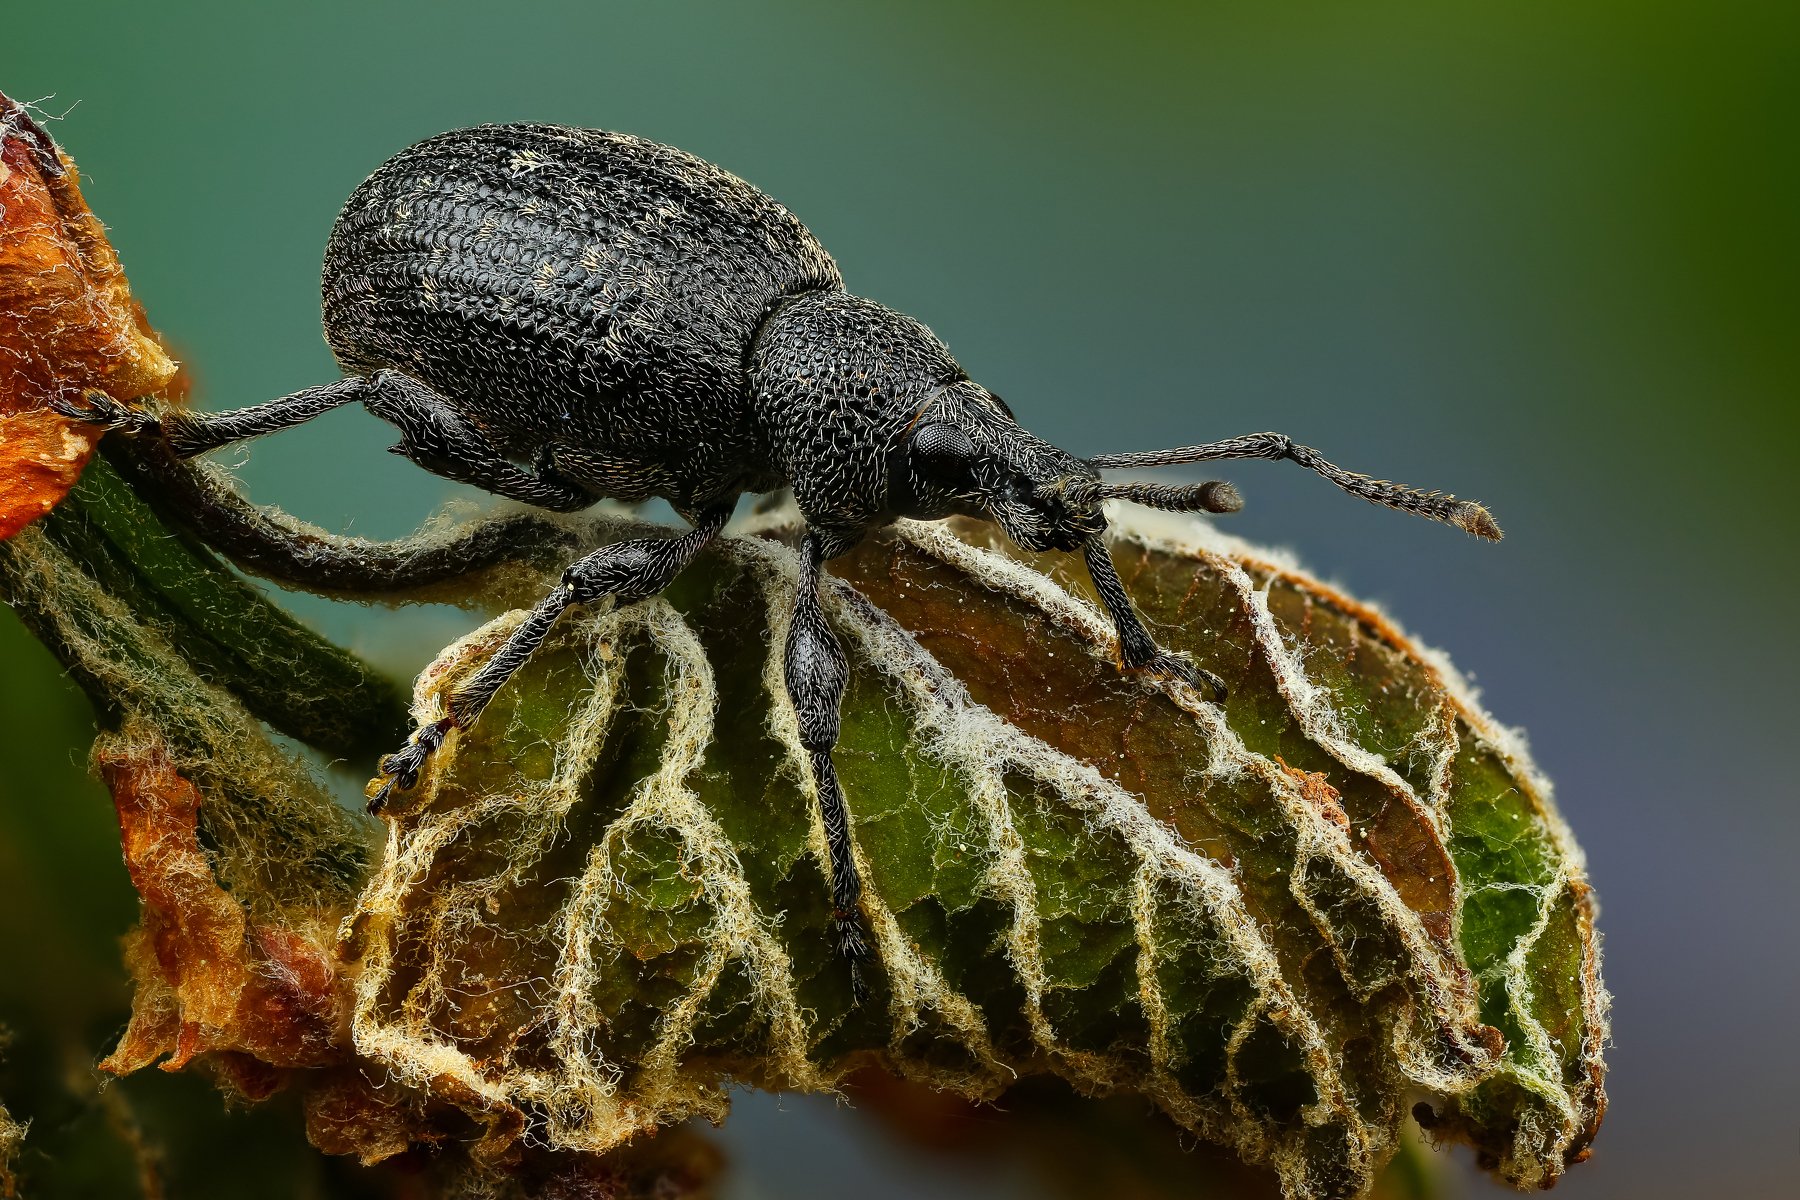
[(210, 980), (67, 321)]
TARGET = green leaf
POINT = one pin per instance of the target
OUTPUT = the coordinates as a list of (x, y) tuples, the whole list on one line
[(1278, 919), (174, 649)]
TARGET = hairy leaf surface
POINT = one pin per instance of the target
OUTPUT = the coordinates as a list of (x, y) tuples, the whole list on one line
[(1278, 919)]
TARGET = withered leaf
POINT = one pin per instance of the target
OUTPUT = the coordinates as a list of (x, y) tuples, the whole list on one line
[(67, 322)]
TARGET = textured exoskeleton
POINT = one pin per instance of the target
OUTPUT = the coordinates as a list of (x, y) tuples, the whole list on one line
[(558, 315)]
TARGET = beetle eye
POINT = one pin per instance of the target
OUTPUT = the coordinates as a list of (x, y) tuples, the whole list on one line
[(942, 443)]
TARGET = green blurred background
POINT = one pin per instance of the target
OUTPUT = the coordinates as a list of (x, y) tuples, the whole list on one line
[(1546, 255)]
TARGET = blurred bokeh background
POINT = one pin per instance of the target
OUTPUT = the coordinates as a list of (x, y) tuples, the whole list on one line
[(1545, 255)]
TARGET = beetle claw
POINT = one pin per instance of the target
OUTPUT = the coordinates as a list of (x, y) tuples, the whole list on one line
[(399, 772), (1182, 669), (853, 948), (92, 407), (379, 800)]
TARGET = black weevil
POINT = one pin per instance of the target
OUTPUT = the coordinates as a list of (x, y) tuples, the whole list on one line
[(558, 315)]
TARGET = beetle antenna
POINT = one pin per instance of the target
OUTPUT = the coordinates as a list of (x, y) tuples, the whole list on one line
[(1214, 496), (1464, 514)]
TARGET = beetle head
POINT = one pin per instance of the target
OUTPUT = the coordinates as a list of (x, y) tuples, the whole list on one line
[(964, 453), (868, 417)]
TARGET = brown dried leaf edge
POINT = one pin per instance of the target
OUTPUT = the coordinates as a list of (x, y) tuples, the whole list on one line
[(67, 322)]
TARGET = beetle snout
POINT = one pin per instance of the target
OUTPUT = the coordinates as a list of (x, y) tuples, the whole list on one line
[(1079, 523), (1056, 516), (1077, 502)]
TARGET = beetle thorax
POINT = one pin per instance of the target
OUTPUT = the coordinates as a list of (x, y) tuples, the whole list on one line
[(836, 382)]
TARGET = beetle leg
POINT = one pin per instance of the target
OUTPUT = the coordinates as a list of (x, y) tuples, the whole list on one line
[(626, 571), (276, 546), (432, 433), (189, 433), (1138, 651), (436, 436), (816, 671)]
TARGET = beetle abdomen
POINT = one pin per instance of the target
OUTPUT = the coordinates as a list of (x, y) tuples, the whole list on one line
[(571, 287)]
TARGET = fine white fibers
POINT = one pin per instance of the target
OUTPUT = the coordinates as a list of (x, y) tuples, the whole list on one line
[(1538, 1147), (956, 730), (582, 1100), (1433, 971), (1434, 968), (919, 986), (1182, 914)]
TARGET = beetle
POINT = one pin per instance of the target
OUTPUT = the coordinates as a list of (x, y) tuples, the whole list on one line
[(558, 315)]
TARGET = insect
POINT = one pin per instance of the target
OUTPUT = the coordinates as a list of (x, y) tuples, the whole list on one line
[(558, 315)]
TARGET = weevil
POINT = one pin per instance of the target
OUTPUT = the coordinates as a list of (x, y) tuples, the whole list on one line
[(560, 315)]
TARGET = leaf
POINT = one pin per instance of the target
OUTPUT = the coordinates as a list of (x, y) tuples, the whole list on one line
[(67, 322), (243, 861), (1276, 920), (209, 979), (225, 630), (152, 664)]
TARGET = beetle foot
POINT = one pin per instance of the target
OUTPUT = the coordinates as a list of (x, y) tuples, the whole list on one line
[(853, 948), (400, 771), (93, 407), (1182, 669)]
